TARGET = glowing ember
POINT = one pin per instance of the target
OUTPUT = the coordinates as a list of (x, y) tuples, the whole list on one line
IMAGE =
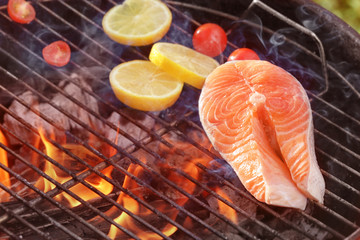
[(225, 209), (180, 161), (147, 195), (134, 207), (4, 175), (72, 164)]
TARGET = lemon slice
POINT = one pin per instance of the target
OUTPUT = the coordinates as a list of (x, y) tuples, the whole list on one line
[(182, 62), (144, 86), (137, 22)]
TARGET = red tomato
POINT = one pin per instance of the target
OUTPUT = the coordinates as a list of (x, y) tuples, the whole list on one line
[(243, 54), (20, 11), (57, 53), (209, 39)]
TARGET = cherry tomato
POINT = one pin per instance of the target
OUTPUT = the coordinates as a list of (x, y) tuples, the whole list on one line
[(57, 53), (243, 54), (20, 11), (209, 39)]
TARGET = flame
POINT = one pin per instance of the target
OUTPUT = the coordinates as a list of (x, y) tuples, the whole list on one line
[(34, 160), (225, 209), (185, 157), (72, 164), (178, 165), (141, 211), (4, 175), (134, 207)]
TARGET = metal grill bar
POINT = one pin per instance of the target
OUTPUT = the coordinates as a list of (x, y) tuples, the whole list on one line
[(23, 221), (281, 17), (53, 192), (318, 95), (30, 204), (354, 236), (9, 233), (300, 28), (357, 138), (239, 210), (138, 53), (82, 176), (106, 140), (82, 105), (52, 13), (325, 227), (339, 162), (104, 120), (247, 196), (343, 184), (149, 131), (357, 156), (332, 195), (346, 203), (116, 166), (70, 97), (338, 216), (255, 2)]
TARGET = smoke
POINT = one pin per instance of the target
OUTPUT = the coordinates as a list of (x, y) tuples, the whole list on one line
[(222, 168), (285, 47), (305, 14), (174, 34)]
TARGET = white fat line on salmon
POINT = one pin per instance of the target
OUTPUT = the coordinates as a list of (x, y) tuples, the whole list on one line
[(294, 116)]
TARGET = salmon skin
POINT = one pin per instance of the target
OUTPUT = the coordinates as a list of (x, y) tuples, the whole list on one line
[(258, 117)]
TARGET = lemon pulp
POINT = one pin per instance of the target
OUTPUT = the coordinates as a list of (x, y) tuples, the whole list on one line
[(137, 22), (144, 86)]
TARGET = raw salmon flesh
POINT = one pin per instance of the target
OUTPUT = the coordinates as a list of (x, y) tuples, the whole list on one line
[(258, 117)]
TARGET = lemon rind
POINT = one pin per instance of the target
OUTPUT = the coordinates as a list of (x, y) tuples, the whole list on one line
[(177, 70), (138, 40)]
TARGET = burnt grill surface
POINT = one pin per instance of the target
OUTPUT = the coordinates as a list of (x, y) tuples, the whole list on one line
[(335, 105)]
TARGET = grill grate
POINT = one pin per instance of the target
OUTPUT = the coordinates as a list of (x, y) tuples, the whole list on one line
[(78, 22)]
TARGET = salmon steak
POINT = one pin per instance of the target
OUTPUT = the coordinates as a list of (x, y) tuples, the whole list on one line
[(258, 117)]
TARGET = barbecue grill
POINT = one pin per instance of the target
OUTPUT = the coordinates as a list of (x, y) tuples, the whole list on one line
[(81, 164)]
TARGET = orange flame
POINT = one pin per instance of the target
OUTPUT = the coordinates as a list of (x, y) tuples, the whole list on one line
[(225, 209), (72, 164), (134, 207), (4, 175), (34, 159), (142, 192), (185, 157)]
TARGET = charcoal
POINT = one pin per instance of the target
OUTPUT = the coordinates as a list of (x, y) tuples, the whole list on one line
[(128, 127), (26, 114), (56, 119), (80, 95), (55, 116)]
